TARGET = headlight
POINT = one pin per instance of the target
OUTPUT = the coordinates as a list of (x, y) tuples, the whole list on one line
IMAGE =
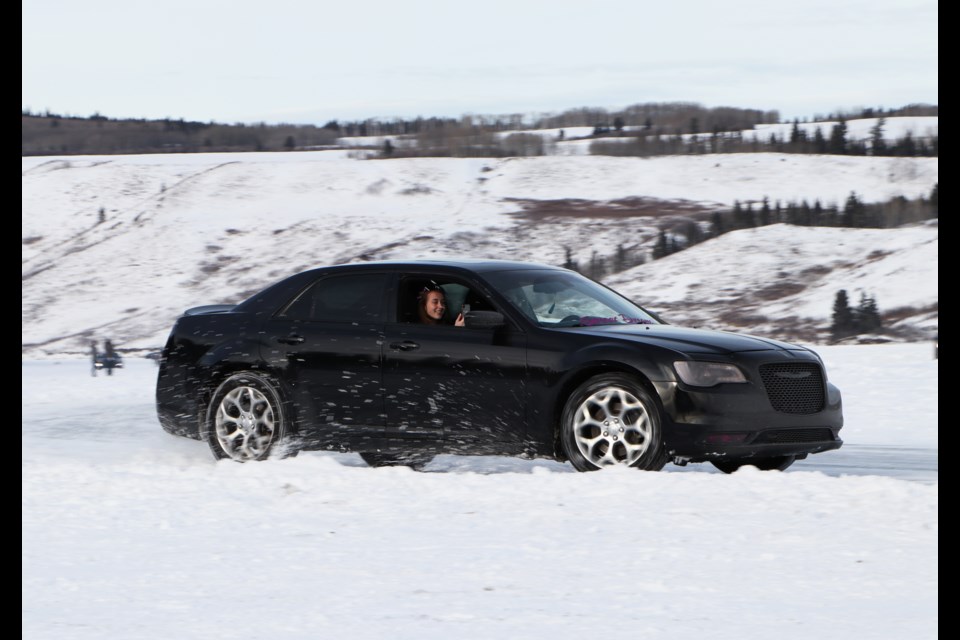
[(707, 374)]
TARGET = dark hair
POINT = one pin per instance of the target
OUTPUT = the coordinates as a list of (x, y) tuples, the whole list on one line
[(431, 286)]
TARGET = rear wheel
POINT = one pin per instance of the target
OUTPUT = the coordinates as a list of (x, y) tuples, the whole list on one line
[(776, 463), (246, 419), (612, 420)]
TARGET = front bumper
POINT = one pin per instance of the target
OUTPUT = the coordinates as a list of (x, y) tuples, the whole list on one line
[(741, 421)]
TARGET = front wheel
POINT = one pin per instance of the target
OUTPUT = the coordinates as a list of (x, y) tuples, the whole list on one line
[(612, 420), (246, 419), (777, 463)]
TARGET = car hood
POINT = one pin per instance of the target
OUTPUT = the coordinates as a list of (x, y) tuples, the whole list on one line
[(688, 340)]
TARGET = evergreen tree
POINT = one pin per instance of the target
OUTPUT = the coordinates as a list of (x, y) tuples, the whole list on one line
[(620, 259), (662, 248), (838, 138), (568, 261), (905, 146), (765, 212), (717, 227), (694, 234), (738, 217), (878, 146), (867, 316), (844, 323), (778, 143), (854, 212), (819, 143), (795, 133)]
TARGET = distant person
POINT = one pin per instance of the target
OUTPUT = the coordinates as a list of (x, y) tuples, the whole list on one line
[(432, 305), (93, 358), (110, 359)]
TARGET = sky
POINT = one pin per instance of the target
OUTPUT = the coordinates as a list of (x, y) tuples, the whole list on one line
[(129, 532), (310, 62)]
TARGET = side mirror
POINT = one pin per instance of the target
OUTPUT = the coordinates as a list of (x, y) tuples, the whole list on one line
[(484, 319)]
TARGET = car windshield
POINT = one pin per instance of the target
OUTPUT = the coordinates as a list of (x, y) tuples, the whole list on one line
[(566, 299)]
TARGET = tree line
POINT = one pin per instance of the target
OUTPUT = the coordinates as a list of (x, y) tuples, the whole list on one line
[(853, 213), (50, 134), (654, 128), (836, 141), (683, 234)]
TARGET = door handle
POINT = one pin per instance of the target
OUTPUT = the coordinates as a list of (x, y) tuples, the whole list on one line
[(406, 345), (293, 338)]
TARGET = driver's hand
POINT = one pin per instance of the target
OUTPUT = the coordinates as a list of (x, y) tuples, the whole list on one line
[(460, 322)]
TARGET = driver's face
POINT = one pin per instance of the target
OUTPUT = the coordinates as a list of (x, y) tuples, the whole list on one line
[(434, 305)]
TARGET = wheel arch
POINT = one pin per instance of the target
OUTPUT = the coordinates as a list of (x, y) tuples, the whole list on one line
[(222, 371), (580, 376)]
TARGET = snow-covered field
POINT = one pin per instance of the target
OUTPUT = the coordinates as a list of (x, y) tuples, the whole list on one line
[(128, 532), (118, 246)]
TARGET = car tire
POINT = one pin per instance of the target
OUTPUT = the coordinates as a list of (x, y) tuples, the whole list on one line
[(612, 420), (247, 419), (777, 463), (415, 461)]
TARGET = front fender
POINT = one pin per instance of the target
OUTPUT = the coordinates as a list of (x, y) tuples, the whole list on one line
[(650, 362)]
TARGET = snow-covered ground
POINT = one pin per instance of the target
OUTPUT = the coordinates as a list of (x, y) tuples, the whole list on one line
[(128, 532), (118, 246)]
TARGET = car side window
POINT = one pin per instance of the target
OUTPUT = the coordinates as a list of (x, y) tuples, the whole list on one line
[(456, 295), (355, 298)]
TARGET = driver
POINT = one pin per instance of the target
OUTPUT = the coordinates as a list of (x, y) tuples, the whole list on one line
[(432, 305)]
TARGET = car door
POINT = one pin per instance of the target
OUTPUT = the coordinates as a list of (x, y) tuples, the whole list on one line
[(327, 342), (465, 386)]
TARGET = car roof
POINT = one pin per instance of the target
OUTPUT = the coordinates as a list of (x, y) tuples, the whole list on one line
[(470, 264)]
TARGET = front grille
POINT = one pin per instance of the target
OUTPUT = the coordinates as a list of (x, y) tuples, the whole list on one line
[(794, 387), (794, 436)]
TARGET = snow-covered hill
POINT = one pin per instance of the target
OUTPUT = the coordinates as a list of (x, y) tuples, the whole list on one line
[(118, 246), (782, 280)]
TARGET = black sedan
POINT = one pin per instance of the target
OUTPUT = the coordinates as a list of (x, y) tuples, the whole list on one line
[(400, 361)]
